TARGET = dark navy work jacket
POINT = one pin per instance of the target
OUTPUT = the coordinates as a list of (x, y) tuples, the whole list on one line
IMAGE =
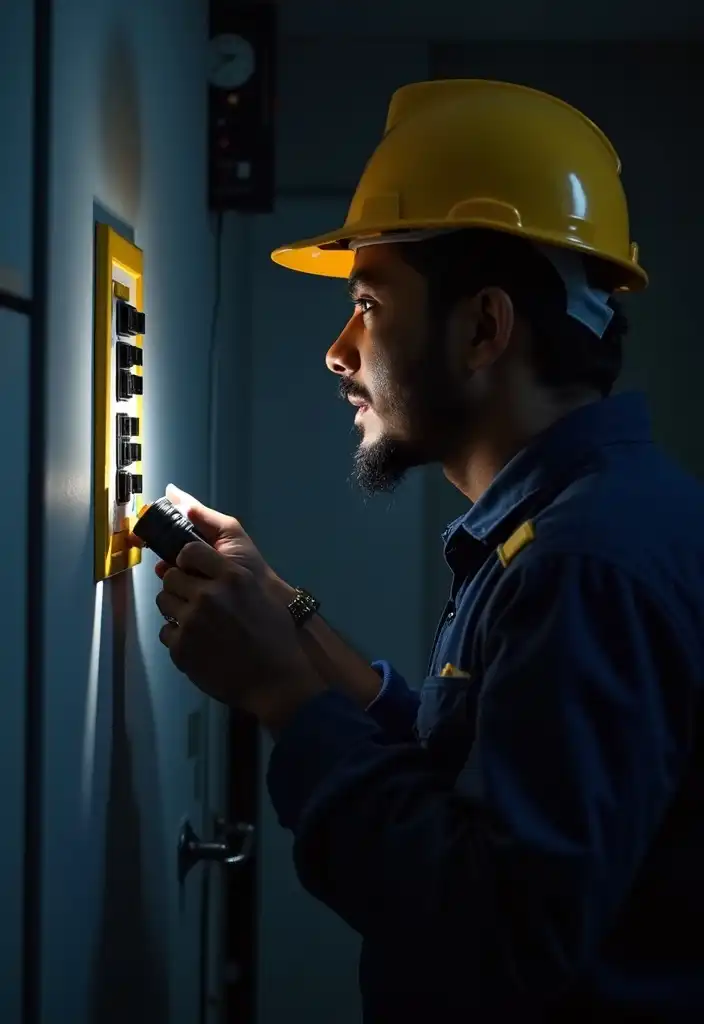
[(525, 840)]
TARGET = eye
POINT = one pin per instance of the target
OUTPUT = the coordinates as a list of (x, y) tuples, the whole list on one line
[(364, 305)]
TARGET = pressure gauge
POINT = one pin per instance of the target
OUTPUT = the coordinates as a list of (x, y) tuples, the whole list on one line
[(232, 61)]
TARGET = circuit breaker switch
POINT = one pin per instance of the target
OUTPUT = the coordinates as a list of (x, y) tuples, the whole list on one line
[(128, 385), (127, 426), (127, 453), (129, 356), (123, 488), (127, 485), (128, 319)]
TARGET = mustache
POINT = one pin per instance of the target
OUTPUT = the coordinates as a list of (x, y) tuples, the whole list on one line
[(350, 389)]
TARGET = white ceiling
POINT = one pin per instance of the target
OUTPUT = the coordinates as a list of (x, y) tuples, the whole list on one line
[(449, 20)]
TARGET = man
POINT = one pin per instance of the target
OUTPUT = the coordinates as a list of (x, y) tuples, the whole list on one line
[(523, 840)]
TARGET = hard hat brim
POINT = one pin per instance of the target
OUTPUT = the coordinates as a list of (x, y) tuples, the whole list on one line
[(308, 257), (327, 255)]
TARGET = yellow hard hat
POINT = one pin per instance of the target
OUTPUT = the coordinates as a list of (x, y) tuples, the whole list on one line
[(468, 153)]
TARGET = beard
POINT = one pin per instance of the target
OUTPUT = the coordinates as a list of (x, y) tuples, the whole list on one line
[(427, 406), (381, 466)]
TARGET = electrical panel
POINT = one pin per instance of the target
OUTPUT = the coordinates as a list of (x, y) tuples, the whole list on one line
[(117, 416)]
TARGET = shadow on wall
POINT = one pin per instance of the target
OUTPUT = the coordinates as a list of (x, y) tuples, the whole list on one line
[(129, 973), (130, 978), (120, 139)]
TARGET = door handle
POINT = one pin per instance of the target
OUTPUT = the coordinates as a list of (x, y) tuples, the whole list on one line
[(233, 845)]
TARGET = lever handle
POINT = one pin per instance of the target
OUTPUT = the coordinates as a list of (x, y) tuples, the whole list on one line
[(234, 845)]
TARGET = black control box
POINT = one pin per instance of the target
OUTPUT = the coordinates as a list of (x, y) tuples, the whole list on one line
[(241, 106)]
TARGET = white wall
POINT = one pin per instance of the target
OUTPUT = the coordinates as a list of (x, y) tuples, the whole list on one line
[(129, 111)]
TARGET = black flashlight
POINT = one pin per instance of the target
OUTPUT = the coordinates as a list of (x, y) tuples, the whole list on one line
[(161, 527)]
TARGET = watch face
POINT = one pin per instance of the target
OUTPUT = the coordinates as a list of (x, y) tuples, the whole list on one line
[(232, 61)]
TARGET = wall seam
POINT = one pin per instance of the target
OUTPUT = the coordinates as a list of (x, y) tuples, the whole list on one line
[(34, 623)]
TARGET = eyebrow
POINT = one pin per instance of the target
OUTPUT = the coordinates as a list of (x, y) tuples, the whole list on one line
[(363, 279)]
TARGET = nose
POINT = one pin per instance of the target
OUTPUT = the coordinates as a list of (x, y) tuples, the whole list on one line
[(343, 355)]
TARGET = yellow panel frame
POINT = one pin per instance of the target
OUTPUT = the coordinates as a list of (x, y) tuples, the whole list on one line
[(112, 552)]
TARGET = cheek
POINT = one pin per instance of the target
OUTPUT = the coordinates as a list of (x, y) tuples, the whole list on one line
[(382, 375), (389, 352)]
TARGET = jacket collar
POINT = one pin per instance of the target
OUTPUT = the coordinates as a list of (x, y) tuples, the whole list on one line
[(552, 456)]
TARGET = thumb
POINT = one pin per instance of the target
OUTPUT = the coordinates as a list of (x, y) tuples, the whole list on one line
[(212, 525), (181, 499)]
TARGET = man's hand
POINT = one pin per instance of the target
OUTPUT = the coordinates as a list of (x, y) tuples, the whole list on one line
[(228, 538), (231, 637), (332, 659)]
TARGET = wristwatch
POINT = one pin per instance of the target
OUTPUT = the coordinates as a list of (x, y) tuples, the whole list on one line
[(303, 606)]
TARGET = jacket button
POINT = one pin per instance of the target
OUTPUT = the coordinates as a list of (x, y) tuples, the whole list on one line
[(450, 617)]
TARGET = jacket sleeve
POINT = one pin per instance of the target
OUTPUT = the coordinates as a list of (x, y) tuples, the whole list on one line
[(583, 724), (395, 707)]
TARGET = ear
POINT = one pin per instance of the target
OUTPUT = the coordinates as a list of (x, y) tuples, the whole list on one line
[(481, 326)]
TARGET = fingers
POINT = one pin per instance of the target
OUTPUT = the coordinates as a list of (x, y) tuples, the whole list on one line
[(197, 557), (179, 498), (171, 606), (184, 595), (182, 584), (161, 569), (211, 524), (168, 634), (208, 521)]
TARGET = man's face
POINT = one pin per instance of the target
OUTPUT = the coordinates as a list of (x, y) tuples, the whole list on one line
[(397, 367)]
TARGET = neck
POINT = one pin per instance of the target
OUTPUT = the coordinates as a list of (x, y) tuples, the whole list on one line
[(500, 436)]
